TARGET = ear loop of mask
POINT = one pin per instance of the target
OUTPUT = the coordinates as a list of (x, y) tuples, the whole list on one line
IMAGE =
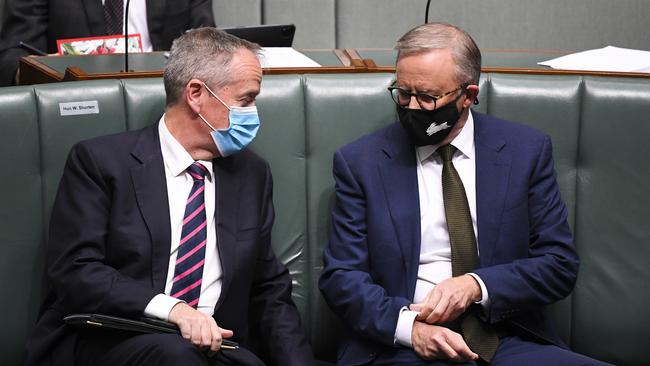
[(219, 99)]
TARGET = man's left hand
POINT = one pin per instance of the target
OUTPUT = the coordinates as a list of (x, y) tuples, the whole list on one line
[(448, 300)]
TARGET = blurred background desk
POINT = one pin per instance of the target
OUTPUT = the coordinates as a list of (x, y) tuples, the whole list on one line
[(48, 69), (493, 61)]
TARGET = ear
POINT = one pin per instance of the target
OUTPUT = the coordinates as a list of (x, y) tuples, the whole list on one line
[(471, 91), (193, 94)]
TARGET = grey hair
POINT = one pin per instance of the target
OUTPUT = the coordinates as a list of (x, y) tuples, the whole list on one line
[(205, 54), (436, 36)]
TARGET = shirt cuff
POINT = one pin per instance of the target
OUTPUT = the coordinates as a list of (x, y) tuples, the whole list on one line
[(405, 327), (160, 306), (485, 300)]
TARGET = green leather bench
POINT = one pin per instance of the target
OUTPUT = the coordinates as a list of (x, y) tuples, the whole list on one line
[(600, 129)]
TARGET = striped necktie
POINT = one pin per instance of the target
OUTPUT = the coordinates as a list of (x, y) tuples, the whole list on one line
[(480, 336), (188, 272), (114, 16)]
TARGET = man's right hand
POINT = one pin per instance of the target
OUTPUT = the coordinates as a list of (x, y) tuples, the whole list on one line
[(198, 328), (435, 342)]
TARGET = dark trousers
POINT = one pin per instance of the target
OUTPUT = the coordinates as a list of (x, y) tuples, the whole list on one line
[(512, 351), (114, 348)]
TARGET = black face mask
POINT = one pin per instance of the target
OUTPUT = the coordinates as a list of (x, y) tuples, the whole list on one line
[(429, 127)]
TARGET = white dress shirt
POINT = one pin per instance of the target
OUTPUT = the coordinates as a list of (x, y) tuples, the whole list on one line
[(435, 249), (138, 22), (179, 185)]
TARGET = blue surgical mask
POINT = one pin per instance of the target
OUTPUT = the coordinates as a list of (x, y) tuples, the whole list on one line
[(244, 123)]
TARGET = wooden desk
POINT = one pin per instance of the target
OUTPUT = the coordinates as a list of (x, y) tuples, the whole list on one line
[(47, 69), (494, 61)]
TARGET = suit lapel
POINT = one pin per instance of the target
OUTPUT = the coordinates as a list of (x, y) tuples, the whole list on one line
[(492, 173), (155, 19), (226, 211), (399, 178), (95, 17), (151, 197)]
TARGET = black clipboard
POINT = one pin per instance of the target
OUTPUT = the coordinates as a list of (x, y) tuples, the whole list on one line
[(145, 325)]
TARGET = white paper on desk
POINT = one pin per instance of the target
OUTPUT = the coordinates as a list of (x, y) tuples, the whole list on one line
[(284, 57), (609, 58)]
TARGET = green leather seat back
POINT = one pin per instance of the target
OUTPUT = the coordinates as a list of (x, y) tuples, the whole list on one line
[(59, 132), (21, 220), (281, 141), (340, 109), (40, 137), (552, 105), (598, 126), (144, 102), (612, 297)]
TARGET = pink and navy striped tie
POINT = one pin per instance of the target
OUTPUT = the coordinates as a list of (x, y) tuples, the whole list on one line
[(188, 272)]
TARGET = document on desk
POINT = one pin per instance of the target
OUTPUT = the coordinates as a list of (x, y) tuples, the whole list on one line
[(610, 58), (284, 57)]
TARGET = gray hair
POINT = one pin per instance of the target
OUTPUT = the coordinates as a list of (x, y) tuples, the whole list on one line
[(205, 54), (436, 36)]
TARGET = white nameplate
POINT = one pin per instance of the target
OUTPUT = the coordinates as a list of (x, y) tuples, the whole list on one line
[(76, 108)]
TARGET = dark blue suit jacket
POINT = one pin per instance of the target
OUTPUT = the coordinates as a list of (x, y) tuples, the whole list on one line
[(527, 256), (109, 245)]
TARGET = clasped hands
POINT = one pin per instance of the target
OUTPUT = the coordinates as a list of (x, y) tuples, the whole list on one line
[(200, 329), (445, 302)]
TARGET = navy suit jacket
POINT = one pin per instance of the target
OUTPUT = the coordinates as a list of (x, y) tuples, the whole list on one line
[(109, 245), (41, 22), (527, 256)]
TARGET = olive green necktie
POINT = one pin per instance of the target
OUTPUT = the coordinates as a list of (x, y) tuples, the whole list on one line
[(480, 336)]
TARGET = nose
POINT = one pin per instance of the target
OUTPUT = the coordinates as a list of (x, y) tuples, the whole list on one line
[(413, 103)]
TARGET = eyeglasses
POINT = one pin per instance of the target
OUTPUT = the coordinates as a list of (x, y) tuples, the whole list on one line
[(426, 101)]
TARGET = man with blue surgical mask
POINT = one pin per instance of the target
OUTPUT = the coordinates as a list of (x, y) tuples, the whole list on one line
[(173, 222), (244, 123)]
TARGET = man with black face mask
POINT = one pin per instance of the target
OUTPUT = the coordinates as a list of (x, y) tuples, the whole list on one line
[(449, 236)]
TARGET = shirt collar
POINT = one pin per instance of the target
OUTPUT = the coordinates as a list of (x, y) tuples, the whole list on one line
[(464, 142), (176, 158)]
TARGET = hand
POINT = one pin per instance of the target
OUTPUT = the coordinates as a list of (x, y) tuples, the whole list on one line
[(435, 342), (448, 300), (198, 328)]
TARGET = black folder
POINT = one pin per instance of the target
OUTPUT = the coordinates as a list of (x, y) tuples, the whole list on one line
[(144, 325)]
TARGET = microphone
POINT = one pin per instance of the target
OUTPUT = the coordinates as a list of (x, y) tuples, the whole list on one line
[(426, 12), (126, 37)]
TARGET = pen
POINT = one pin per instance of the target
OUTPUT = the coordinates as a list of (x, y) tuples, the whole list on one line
[(32, 49), (226, 344)]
